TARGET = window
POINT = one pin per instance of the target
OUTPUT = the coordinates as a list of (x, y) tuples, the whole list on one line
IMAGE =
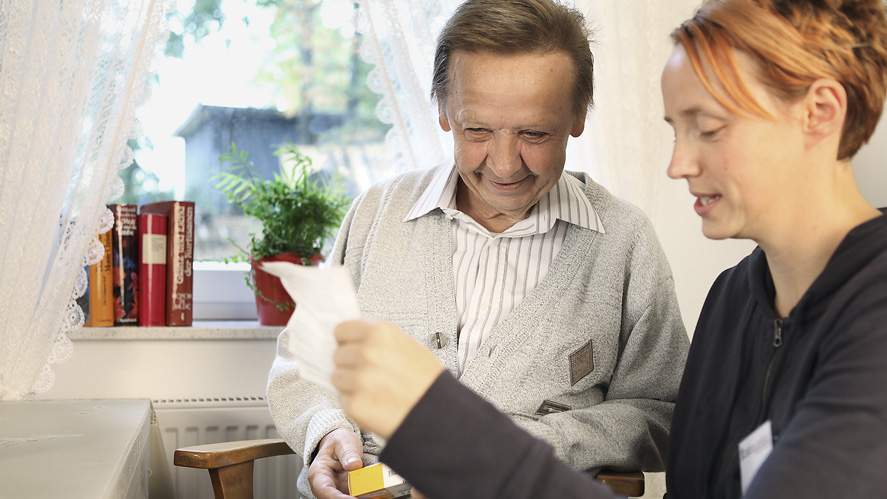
[(258, 74)]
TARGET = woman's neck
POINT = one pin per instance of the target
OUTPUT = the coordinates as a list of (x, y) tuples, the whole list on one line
[(800, 245)]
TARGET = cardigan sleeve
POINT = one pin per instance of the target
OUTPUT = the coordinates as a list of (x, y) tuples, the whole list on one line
[(455, 444), (303, 414)]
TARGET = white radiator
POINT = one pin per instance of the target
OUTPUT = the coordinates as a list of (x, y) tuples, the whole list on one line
[(196, 421)]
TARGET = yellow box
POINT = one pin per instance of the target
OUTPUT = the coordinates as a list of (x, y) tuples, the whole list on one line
[(376, 481)]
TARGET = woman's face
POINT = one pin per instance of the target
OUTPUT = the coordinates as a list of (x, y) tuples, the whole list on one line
[(742, 171)]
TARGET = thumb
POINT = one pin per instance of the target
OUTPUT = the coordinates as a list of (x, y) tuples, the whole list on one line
[(348, 455)]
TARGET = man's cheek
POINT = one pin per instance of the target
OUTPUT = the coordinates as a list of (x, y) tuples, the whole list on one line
[(470, 155), (544, 159)]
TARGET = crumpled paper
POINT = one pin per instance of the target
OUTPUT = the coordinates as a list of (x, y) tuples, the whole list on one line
[(324, 297)]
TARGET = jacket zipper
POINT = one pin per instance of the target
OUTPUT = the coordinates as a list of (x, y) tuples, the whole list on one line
[(777, 343)]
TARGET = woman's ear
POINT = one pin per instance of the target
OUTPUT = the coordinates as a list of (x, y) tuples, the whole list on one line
[(825, 109)]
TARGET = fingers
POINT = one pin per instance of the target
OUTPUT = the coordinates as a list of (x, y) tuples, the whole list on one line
[(415, 494), (323, 479), (349, 355), (338, 451), (352, 331), (348, 453)]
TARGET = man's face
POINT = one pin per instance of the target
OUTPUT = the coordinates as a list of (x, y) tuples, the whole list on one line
[(510, 116)]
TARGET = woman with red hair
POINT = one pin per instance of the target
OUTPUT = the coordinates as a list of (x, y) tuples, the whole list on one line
[(784, 389)]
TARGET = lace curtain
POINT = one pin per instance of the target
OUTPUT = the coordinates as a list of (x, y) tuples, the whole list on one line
[(399, 40), (71, 74)]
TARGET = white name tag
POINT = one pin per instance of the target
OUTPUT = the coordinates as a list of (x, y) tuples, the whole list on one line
[(753, 451)]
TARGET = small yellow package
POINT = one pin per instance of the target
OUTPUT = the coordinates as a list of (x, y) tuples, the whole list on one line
[(377, 481)]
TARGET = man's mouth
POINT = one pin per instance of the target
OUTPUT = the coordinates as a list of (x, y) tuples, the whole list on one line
[(508, 183)]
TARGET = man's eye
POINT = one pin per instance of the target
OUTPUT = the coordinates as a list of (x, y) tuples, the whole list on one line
[(534, 135), (477, 133)]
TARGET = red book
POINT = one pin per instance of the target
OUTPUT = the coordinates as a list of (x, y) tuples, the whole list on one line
[(152, 269), (125, 261), (179, 258)]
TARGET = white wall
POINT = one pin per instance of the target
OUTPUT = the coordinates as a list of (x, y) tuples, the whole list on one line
[(627, 145), (871, 167)]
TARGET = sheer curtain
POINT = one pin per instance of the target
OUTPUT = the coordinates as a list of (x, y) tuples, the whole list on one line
[(399, 40), (627, 144), (71, 74)]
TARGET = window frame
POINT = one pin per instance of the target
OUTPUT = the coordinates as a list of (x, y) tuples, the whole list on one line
[(220, 292)]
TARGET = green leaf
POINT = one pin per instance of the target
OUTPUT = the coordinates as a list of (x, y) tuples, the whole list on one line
[(298, 212)]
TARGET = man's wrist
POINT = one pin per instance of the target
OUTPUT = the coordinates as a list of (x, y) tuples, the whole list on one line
[(320, 444), (322, 423)]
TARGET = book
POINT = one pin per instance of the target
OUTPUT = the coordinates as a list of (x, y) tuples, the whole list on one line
[(125, 263), (377, 481), (101, 288), (83, 301), (152, 269), (179, 259)]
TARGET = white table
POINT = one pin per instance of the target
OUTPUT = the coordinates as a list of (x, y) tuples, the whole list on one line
[(74, 449)]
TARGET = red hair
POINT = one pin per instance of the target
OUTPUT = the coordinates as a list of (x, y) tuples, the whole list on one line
[(794, 44)]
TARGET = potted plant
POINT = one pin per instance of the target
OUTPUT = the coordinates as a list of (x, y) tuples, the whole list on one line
[(298, 213)]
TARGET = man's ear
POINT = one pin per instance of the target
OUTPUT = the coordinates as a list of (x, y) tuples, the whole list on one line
[(825, 109), (578, 125), (442, 117)]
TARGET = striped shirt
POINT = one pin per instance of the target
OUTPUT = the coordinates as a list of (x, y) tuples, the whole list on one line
[(494, 272)]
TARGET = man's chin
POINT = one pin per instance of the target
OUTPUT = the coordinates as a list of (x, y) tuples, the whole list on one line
[(516, 211)]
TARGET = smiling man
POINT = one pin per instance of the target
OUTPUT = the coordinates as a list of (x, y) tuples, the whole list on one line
[(537, 288)]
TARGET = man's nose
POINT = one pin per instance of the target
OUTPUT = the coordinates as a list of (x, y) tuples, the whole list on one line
[(505, 156)]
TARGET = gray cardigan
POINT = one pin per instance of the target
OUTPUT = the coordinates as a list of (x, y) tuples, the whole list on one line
[(607, 305)]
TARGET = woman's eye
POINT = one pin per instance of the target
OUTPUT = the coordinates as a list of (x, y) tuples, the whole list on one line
[(711, 133)]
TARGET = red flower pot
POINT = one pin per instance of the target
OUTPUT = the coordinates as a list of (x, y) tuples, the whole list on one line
[(273, 305)]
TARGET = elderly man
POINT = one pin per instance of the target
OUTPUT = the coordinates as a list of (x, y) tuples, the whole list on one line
[(539, 290)]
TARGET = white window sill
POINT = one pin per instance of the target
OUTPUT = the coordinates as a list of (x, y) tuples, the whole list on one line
[(201, 330)]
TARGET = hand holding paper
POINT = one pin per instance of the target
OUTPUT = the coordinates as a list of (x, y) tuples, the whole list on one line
[(324, 297)]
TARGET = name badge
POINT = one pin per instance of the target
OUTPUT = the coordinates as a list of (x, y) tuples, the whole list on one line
[(753, 451)]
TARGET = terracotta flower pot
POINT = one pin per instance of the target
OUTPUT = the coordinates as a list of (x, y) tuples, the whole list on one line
[(273, 305)]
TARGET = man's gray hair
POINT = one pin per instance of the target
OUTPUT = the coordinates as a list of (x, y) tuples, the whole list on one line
[(517, 26)]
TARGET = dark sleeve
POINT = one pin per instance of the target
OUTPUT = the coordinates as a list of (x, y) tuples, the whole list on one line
[(834, 445), (455, 444)]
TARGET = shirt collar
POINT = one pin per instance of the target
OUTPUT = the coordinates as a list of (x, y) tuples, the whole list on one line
[(565, 201), (440, 193)]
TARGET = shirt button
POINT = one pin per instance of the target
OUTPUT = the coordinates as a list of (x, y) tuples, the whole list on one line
[(438, 341)]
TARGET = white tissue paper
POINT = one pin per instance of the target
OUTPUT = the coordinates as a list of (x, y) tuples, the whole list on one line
[(324, 297)]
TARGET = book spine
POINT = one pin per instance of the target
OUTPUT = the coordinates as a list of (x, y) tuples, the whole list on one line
[(152, 269), (83, 301), (101, 288), (125, 264), (180, 275)]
